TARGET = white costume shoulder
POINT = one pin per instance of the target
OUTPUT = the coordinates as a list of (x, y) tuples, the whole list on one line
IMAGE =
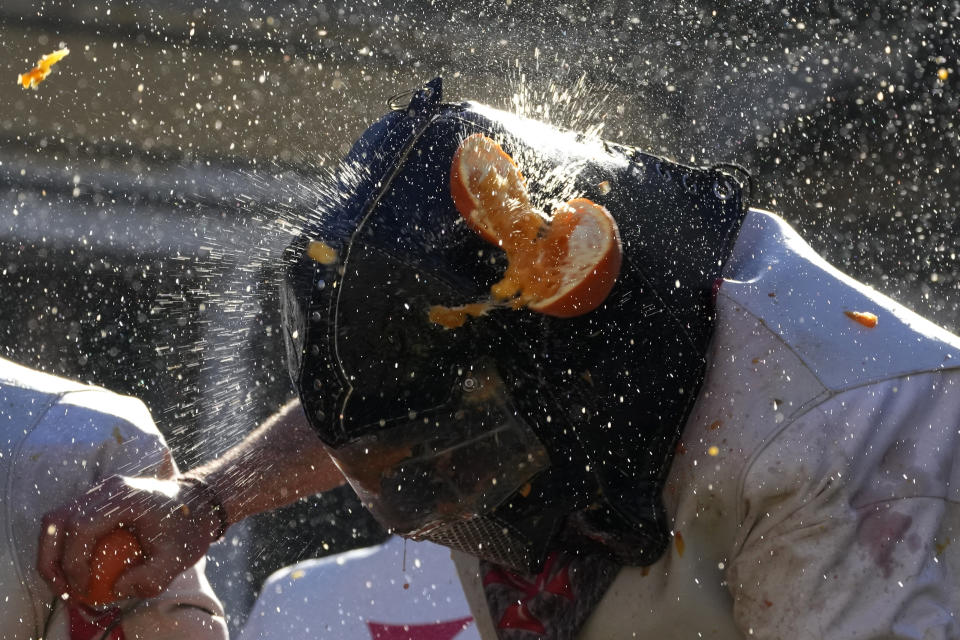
[(814, 494), (778, 278), (397, 589), (58, 438)]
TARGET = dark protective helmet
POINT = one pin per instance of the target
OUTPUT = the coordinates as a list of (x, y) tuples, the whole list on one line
[(516, 432)]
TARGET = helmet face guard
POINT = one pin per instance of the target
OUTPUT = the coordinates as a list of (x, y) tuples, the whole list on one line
[(467, 436), (446, 463)]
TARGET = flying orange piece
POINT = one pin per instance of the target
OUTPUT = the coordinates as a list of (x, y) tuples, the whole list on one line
[(35, 76), (562, 266), (867, 319)]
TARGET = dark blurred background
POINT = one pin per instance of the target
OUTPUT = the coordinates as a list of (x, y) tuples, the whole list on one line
[(141, 184)]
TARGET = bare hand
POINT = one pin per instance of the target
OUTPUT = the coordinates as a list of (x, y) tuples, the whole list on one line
[(174, 523)]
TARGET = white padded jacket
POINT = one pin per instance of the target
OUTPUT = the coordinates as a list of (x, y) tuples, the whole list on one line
[(58, 438), (816, 493)]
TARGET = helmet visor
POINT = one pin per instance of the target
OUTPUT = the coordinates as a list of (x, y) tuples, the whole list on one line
[(445, 464)]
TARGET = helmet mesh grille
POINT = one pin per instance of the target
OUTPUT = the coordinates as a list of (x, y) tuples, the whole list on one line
[(483, 537)]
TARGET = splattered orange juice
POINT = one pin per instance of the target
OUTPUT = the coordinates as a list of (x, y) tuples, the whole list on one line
[(563, 265)]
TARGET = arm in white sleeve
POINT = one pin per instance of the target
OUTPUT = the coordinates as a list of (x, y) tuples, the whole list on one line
[(94, 434)]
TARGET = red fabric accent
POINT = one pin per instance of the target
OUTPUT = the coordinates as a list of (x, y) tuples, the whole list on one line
[(447, 630), (518, 615), (87, 623), (715, 291)]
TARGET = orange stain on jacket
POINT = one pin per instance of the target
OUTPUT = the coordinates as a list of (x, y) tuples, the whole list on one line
[(679, 543)]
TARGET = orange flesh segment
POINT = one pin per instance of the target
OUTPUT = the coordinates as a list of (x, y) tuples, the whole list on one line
[(535, 268), (453, 317), (535, 265), (515, 222), (679, 543), (321, 252)]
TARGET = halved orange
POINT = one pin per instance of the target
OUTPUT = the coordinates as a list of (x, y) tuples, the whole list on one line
[(484, 179), (585, 263), (564, 265), (114, 553)]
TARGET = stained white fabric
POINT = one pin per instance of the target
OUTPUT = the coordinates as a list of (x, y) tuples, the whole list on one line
[(57, 439), (815, 493)]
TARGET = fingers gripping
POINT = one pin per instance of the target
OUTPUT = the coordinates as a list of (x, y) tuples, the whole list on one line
[(173, 523)]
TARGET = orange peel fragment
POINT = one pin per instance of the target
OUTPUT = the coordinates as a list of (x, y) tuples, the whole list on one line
[(35, 76), (867, 319)]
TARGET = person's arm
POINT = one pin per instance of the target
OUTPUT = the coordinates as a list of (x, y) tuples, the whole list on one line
[(176, 520), (280, 462)]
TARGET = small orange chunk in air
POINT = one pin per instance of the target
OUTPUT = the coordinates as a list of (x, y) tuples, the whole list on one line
[(35, 76), (562, 266), (867, 319)]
